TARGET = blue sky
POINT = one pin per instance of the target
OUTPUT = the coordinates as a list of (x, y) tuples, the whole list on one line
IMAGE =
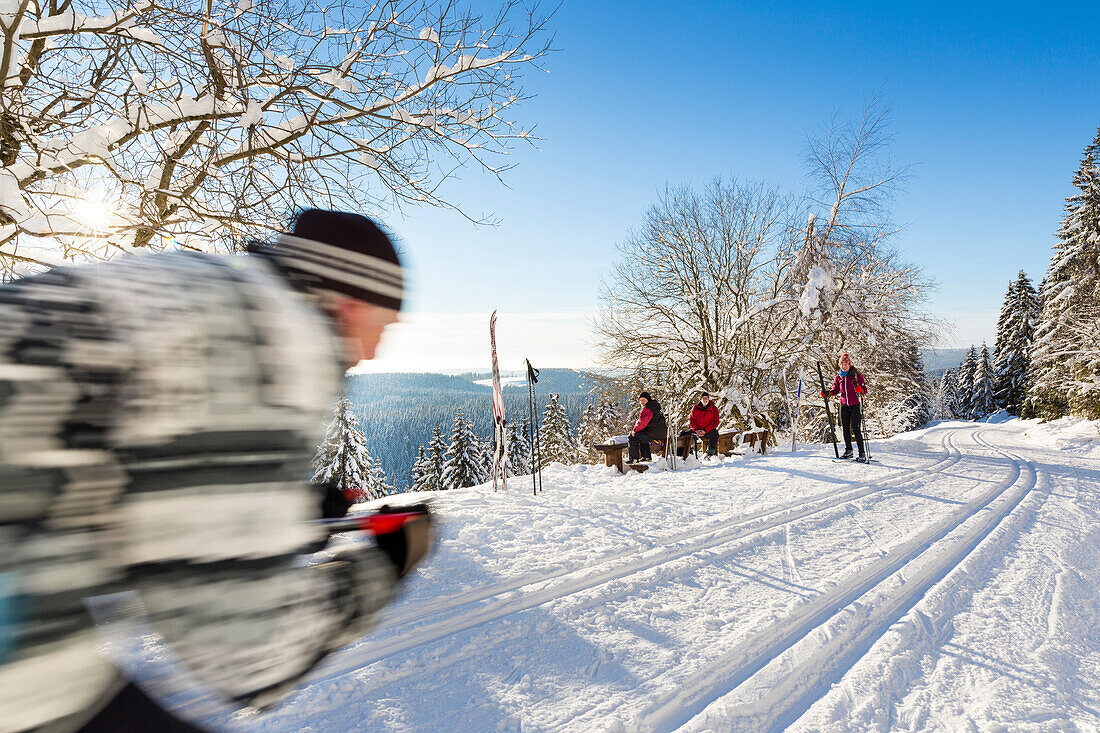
[(993, 104)]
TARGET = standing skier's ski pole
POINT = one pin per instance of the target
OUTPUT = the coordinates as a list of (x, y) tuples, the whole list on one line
[(832, 430), (866, 426), (790, 411), (794, 418), (533, 429)]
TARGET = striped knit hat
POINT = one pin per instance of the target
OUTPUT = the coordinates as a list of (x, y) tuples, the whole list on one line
[(340, 252)]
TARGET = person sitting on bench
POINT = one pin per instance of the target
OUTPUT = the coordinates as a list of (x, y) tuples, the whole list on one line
[(704, 422), (651, 426)]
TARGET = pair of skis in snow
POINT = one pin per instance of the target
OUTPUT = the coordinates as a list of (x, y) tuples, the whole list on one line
[(500, 436)]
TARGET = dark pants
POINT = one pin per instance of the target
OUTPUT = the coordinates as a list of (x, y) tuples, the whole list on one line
[(711, 438), (133, 710), (639, 445), (851, 418), (712, 442)]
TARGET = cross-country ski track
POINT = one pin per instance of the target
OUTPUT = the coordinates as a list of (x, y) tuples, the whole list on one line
[(751, 594)]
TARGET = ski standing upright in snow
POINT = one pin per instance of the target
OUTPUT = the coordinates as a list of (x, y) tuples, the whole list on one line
[(828, 414), (500, 438)]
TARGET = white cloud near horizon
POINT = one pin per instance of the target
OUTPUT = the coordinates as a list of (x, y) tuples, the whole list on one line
[(437, 342), (433, 342)]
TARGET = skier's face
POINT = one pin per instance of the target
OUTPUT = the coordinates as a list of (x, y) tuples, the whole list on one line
[(642, 401), (704, 400), (360, 326), (845, 363)]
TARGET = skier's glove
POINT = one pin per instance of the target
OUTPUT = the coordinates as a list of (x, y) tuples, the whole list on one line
[(409, 540), (822, 394), (859, 390)]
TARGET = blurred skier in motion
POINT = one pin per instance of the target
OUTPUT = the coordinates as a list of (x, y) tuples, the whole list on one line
[(158, 415)]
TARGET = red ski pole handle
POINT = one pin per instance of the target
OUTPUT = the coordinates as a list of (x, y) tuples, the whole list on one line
[(374, 524)]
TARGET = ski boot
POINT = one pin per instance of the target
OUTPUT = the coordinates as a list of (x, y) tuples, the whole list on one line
[(847, 454)]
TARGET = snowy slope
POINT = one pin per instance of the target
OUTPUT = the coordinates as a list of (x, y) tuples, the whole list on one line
[(953, 586)]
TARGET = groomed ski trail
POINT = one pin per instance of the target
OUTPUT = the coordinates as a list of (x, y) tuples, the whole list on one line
[(853, 616), (546, 650), (510, 598)]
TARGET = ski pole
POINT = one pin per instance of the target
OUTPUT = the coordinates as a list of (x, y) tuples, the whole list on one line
[(794, 419), (828, 414), (866, 425), (533, 426)]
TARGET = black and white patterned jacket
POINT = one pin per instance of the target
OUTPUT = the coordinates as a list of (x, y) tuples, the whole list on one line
[(157, 418)]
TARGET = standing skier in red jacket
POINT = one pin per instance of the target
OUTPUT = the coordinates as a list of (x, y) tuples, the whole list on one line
[(849, 384), (704, 422)]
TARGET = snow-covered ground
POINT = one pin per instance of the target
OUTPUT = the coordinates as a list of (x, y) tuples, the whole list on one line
[(953, 585)]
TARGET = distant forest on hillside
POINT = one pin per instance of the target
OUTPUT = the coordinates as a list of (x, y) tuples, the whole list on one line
[(398, 411)]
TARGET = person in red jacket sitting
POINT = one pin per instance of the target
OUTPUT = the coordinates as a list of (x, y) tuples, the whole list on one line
[(849, 384), (704, 422)]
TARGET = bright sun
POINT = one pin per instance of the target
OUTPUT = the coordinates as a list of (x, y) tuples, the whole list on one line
[(96, 215)]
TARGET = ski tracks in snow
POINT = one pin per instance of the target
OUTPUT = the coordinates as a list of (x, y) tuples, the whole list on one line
[(437, 620), (828, 635), (864, 627)]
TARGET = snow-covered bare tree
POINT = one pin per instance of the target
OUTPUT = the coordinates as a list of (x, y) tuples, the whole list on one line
[(343, 461), (162, 123), (727, 288), (699, 286), (556, 441), (465, 465), (1065, 358), (1015, 331)]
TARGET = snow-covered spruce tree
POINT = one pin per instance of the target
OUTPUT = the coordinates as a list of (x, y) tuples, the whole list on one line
[(983, 399), (964, 385), (1015, 331), (899, 397), (465, 463), (154, 124), (343, 461), (943, 398), (519, 449), (1065, 358), (590, 432), (486, 448), (962, 394), (437, 458), (556, 441), (612, 421), (423, 477)]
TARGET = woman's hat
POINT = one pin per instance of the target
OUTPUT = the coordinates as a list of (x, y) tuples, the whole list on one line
[(646, 395)]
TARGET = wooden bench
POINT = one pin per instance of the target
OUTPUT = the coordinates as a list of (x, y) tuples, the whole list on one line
[(728, 440), (756, 439)]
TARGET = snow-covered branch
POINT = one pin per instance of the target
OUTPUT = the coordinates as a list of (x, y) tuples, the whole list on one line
[(170, 125)]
